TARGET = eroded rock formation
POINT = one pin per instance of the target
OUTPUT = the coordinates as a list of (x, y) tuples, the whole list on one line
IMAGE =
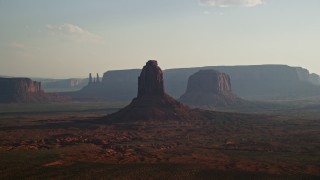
[(209, 88), (150, 81), (16, 90), (152, 103)]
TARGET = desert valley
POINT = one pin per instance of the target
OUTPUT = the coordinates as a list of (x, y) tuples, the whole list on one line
[(218, 135)]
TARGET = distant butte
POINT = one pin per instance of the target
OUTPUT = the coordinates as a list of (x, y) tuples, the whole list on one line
[(209, 88), (152, 102)]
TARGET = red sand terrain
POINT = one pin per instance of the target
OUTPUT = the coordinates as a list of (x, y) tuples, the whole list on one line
[(252, 143)]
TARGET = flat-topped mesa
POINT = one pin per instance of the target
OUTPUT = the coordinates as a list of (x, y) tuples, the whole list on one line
[(20, 90), (209, 88), (150, 81), (19, 86), (209, 81)]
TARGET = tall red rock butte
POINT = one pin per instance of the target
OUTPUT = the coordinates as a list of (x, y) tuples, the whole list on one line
[(209, 88), (152, 102), (150, 81)]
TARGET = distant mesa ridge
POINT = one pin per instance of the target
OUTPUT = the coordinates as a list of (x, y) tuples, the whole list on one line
[(254, 82), (152, 102)]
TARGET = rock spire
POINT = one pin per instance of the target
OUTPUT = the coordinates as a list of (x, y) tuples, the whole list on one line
[(152, 103), (150, 81)]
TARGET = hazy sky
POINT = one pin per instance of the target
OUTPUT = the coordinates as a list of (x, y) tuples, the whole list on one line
[(70, 38)]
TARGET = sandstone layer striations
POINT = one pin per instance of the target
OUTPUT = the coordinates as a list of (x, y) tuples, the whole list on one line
[(209, 88), (19, 90), (152, 102)]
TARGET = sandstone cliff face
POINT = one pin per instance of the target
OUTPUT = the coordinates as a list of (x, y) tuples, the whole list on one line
[(24, 90), (19, 85), (209, 88), (18, 89), (314, 79), (152, 103)]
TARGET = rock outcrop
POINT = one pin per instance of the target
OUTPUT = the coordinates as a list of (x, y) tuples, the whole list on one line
[(209, 88), (18, 90), (152, 103)]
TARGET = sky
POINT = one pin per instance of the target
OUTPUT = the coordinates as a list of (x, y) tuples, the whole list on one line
[(71, 38)]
